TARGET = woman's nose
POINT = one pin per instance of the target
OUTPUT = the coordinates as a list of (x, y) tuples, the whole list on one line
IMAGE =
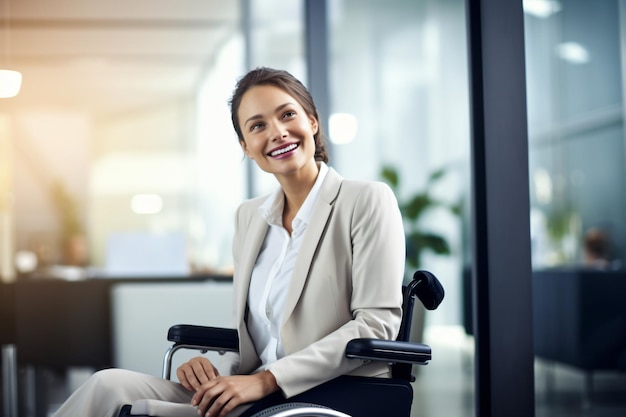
[(277, 131)]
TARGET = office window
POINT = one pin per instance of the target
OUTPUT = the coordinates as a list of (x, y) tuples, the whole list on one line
[(399, 82), (399, 100)]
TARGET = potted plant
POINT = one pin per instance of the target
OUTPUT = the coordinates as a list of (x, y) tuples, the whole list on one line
[(419, 240), (412, 209), (72, 235)]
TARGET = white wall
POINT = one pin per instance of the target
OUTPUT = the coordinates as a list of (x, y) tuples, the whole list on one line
[(143, 313)]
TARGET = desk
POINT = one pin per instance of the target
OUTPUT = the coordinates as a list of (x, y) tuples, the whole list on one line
[(62, 324)]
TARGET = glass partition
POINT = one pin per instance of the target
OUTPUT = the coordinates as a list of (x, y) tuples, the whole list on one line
[(576, 131), (399, 109), (575, 88), (125, 136)]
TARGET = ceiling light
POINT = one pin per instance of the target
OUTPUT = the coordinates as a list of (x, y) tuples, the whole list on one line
[(573, 52), (10, 83), (25, 261), (146, 203), (541, 8)]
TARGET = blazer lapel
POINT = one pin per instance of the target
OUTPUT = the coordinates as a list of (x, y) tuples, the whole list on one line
[(249, 254), (313, 235)]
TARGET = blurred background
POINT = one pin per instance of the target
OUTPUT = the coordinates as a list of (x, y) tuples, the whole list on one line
[(119, 164)]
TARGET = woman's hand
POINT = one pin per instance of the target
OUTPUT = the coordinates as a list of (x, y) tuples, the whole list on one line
[(196, 372), (222, 394)]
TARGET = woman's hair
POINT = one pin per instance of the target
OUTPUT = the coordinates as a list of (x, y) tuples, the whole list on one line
[(289, 84)]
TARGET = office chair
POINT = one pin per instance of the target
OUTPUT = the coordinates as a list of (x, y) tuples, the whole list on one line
[(345, 396)]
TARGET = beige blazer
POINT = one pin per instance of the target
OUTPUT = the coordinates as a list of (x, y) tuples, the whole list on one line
[(346, 283)]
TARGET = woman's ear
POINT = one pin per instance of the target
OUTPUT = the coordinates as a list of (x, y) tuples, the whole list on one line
[(244, 148), (314, 124)]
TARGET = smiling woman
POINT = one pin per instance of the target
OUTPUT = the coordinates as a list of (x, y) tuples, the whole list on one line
[(280, 134), (318, 238), (292, 92)]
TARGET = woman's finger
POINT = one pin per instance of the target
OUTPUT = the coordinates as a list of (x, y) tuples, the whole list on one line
[(200, 374), (195, 372), (210, 370), (181, 374), (206, 396)]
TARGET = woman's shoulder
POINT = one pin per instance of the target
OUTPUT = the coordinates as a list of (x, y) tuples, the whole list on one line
[(364, 188), (251, 205), (366, 201)]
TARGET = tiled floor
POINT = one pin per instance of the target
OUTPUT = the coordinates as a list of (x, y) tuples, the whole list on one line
[(445, 387)]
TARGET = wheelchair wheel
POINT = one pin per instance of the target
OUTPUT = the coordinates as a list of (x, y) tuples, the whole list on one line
[(299, 410)]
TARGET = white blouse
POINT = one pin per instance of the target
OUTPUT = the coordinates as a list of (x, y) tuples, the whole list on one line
[(273, 269)]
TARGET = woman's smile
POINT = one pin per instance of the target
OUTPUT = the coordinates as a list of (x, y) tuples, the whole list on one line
[(284, 151)]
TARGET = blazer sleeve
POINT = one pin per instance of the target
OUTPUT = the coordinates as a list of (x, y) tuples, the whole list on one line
[(229, 362), (377, 246)]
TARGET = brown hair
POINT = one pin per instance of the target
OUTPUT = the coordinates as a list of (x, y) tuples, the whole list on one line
[(289, 84)]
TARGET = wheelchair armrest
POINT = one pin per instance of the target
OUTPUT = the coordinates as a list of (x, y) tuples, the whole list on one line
[(202, 338), (392, 351), (213, 338)]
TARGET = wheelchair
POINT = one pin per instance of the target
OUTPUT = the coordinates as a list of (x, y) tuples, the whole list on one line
[(345, 396)]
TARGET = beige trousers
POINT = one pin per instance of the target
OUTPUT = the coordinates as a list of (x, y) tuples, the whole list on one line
[(105, 392)]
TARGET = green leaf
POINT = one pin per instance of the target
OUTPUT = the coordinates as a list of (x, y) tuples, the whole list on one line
[(437, 244), (457, 209), (414, 208), (390, 175), (419, 241), (436, 175)]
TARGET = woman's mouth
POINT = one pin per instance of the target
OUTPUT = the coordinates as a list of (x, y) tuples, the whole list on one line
[(284, 151)]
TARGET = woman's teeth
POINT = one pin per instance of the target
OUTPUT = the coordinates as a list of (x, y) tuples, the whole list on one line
[(284, 150)]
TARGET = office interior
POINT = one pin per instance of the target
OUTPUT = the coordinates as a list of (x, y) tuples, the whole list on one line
[(120, 174)]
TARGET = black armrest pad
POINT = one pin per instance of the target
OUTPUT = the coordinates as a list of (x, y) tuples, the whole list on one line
[(211, 337), (388, 351)]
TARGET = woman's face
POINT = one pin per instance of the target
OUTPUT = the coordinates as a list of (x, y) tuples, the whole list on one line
[(277, 132)]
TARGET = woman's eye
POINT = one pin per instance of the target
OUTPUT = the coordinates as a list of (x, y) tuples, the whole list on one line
[(289, 114), (256, 126)]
